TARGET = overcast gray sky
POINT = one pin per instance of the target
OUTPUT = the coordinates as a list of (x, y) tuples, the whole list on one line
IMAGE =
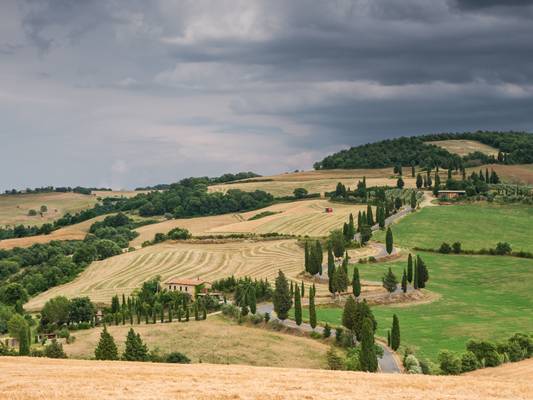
[(129, 93)]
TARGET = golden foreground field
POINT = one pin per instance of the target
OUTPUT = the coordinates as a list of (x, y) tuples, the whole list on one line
[(216, 340), (465, 147), (306, 217), (24, 378), (517, 370), (14, 208), (316, 181), (210, 261)]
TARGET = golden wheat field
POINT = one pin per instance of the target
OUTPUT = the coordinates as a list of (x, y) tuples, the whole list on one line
[(216, 340), (316, 181), (465, 147), (513, 371), (307, 217), (72, 232), (25, 378), (14, 208), (210, 261)]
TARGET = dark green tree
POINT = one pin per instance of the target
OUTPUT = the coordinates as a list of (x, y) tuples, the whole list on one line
[(312, 308), (389, 241), (349, 315), (404, 282), (297, 306), (400, 183), (356, 283), (351, 227), (306, 259), (368, 357), (340, 280), (281, 297), (338, 243), (410, 268), (413, 200), (54, 350), (106, 348), (369, 216), (252, 299), (395, 333), (135, 349), (419, 181), (422, 273)]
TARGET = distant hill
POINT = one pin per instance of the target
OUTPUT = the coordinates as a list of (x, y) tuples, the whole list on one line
[(513, 148)]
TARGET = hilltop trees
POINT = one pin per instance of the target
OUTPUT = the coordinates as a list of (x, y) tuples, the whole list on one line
[(281, 297), (106, 349)]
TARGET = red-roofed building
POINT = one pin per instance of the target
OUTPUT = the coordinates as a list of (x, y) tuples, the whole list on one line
[(185, 285)]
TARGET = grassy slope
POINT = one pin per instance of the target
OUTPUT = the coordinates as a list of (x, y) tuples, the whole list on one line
[(100, 380), (464, 147), (482, 297), (215, 341), (476, 226)]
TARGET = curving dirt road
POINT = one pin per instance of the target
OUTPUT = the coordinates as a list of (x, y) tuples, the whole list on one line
[(387, 363)]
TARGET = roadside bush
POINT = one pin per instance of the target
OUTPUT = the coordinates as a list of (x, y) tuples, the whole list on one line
[(177, 358), (428, 368), (456, 247), (450, 363), (525, 342), (54, 350), (445, 248), (486, 352), (327, 331), (411, 364), (469, 362), (256, 319)]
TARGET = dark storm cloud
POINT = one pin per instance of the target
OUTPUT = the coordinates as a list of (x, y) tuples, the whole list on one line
[(131, 93)]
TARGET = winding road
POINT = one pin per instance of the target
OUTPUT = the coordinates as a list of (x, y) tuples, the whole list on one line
[(387, 363)]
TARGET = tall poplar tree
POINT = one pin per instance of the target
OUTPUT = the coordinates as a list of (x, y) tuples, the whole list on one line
[(312, 308), (410, 268), (356, 283), (297, 306), (368, 357), (395, 333), (389, 241)]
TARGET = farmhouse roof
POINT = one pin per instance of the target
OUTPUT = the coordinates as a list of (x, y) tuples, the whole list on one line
[(185, 281)]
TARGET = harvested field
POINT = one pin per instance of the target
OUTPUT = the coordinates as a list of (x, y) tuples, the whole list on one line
[(316, 181), (509, 173), (117, 193), (72, 232), (103, 380), (465, 147), (124, 273), (14, 208), (296, 218), (216, 341), (514, 371)]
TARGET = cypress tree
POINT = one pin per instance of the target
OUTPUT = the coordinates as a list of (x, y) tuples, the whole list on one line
[(419, 181), (123, 313), (187, 316), (319, 257), (410, 268), (281, 297), (345, 262), (340, 280), (195, 309), (388, 338), (106, 348), (413, 200), (363, 311), (24, 341), (351, 227), (297, 306), (303, 289), (356, 283), (412, 171), (389, 241), (306, 262), (252, 299), (331, 280), (115, 304), (204, 313), (312, 308), (404, 281), (395, 334), (179, 314), (422, 273), (368, 358), (331, 258), (400, 183), (369, 216), (170, 313), (415, 275), (359, 221), (291, 290)]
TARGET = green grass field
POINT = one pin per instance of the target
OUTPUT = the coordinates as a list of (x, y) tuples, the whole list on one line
[(476, 226), (481, 297)]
